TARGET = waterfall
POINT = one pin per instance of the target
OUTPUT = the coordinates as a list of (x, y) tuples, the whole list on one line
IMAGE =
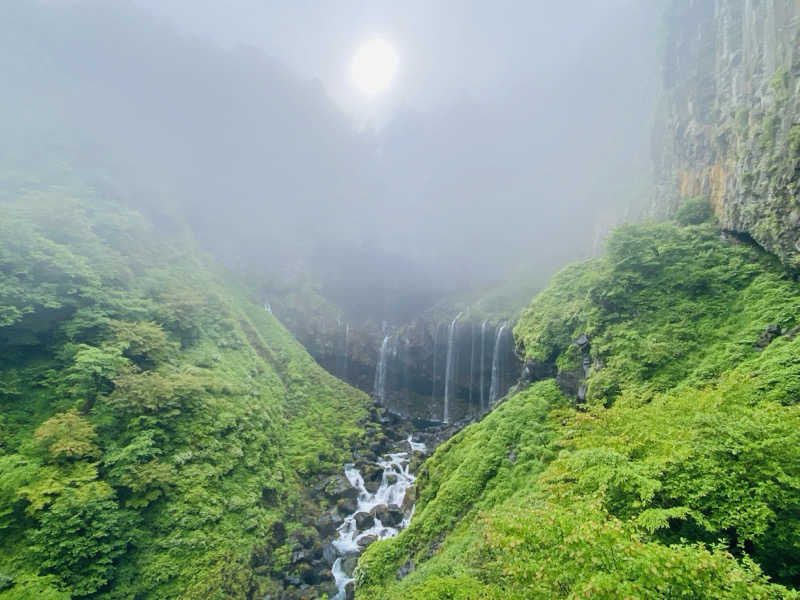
[(494, 389), (396, 478), (483, 366), (448, 374), (380, 372)]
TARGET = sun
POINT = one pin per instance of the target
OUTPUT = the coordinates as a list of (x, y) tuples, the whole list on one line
[(374, 66)]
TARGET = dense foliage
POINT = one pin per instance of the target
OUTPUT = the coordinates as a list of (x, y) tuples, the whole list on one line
[(677, 479), (156, 427)]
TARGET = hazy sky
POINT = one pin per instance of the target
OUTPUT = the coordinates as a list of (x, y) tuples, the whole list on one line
[(514, 132), (449, 49)]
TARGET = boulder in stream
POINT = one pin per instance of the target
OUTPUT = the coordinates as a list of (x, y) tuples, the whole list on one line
[(338, 487), (390, 516), (364, 520), (367, 540)]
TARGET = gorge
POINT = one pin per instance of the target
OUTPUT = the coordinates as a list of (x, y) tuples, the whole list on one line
[(524, 326)]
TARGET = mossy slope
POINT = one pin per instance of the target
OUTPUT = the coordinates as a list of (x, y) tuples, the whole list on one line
[(678, 480), (156, 427)]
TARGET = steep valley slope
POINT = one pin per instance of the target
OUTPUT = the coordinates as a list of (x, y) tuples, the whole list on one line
[(159, 432), (677, 476)]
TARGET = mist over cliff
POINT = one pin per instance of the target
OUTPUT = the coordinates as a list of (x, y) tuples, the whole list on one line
[(280, 181)]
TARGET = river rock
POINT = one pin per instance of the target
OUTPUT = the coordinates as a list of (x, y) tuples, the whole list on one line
[(338, 487), (347, 506), (299, 556), (373, 475), (390, 516), (409, 499), (349, 562), (364, 520), (325, 526), (350, 591), (329, 554), (367, 540)]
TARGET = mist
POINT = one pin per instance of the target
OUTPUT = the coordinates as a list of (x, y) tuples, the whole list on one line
[(514, 133)]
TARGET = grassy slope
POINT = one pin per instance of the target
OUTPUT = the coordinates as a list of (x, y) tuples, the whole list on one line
[(679, 480), (142, 393)]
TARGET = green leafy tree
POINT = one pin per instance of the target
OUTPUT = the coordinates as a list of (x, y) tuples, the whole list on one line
[(80, 536)]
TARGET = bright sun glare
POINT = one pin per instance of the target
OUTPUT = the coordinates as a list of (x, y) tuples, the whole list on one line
[(374, 66)]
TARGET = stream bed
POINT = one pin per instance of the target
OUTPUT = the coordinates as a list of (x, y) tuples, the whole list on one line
[(379, 514)]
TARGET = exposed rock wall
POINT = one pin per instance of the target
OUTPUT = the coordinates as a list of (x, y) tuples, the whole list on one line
[(729, 124)]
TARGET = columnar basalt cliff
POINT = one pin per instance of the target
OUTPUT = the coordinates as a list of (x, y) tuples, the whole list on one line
[(410, 369), (729, 127)]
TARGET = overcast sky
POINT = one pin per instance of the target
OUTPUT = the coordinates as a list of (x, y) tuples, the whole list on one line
[(449, 49), (514, 132)]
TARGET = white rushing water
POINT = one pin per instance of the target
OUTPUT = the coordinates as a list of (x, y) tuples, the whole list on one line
[(380, 372), (448, 373), (494, 388), (396, 479)]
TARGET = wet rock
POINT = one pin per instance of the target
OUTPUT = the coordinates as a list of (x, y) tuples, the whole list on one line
[(364, 520), (338, 487), (336, 518), (325, 526), (405, 570), (409, 499), (350, 591), (329, 554), (389, 516), (367, 540), (300, 556), (349, 562), (347, 506), (373, 476), (391, 478)]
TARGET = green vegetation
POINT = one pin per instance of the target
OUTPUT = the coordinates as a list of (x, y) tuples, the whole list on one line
[(677, 479), (156, 427)]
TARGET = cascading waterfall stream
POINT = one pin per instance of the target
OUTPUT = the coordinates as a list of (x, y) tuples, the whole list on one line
[(448, 374), (494, 388), (395, 480)]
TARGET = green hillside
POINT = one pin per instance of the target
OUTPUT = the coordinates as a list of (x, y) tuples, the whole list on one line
[(156, 426), (678, 477)]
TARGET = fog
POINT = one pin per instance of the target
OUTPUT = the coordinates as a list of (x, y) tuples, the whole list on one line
[(514, 134)]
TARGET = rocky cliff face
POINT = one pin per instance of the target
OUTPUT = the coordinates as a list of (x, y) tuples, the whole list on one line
[(729, 127), (414, 360)]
